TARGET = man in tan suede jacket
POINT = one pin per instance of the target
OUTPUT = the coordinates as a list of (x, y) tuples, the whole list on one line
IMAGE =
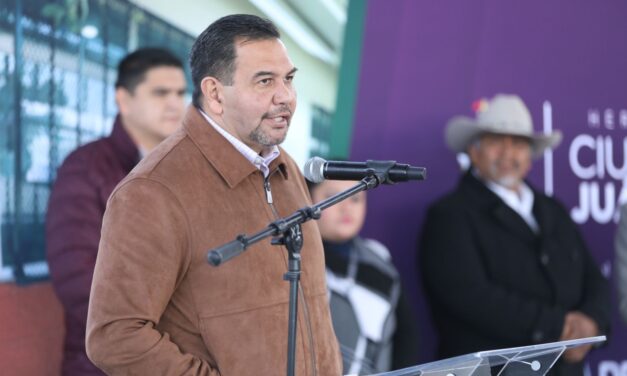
[(157, 307)]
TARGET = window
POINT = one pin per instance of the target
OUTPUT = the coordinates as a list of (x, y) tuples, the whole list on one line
[(65, 66)]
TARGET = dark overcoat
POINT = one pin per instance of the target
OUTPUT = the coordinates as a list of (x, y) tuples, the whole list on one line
[(491, 282)]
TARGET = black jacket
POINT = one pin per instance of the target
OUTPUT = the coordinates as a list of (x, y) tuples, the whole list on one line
[(492, 282)]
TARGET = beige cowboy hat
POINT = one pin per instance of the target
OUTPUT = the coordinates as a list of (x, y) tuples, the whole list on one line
[(503, 114)]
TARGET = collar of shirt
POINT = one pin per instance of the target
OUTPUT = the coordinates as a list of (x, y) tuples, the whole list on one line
[(262, 162), (521, 203)]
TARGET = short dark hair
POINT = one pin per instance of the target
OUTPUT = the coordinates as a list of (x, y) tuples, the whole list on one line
[(133, 67), (213, 52)]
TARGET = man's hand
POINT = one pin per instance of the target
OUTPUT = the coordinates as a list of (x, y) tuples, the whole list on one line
[(578, 325)]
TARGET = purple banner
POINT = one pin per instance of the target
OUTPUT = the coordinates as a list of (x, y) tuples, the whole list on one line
[(424, 62)]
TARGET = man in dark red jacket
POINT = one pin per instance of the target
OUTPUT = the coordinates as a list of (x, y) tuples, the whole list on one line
[(150, 91)]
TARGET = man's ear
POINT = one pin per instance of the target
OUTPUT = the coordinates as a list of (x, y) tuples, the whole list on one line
[(122, 99), (473, 152), (213, 93)]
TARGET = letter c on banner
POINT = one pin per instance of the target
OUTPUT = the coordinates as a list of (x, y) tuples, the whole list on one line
[(583, 140)]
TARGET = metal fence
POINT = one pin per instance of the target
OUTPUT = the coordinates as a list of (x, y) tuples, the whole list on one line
[(57, 70)]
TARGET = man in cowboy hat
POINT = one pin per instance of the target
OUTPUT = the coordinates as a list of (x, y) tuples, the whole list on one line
[(503, 265)]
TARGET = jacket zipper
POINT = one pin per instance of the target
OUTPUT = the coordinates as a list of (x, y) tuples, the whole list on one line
[(267, 188)]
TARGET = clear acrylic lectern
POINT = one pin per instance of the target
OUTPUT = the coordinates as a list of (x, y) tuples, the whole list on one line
[(533, 360)]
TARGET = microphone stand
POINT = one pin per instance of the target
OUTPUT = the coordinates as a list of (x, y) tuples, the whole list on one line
[(287, 231)]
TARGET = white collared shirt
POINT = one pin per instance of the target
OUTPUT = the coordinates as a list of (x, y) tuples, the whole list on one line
[(521, 203), (262, 162)]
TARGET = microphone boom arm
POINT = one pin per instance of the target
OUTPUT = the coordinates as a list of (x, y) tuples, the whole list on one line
[(232, 249)]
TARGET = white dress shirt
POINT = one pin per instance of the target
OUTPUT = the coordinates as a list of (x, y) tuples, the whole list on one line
[(521, 202)]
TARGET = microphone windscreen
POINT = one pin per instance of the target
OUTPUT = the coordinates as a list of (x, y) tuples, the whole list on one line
[(313, 170)]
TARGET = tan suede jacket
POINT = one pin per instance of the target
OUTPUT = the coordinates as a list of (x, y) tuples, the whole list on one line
[(158, 308)]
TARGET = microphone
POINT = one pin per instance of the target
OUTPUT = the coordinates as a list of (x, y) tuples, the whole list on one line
[(316, 170)]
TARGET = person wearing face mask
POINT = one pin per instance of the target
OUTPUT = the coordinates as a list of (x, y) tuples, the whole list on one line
[(371, 316), (503, 265)]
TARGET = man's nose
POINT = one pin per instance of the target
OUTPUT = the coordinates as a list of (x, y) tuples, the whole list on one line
[(285, 93), (507, 144), (175, 100)]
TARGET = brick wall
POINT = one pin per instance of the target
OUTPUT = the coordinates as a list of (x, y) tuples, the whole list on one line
[(31, 330)]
